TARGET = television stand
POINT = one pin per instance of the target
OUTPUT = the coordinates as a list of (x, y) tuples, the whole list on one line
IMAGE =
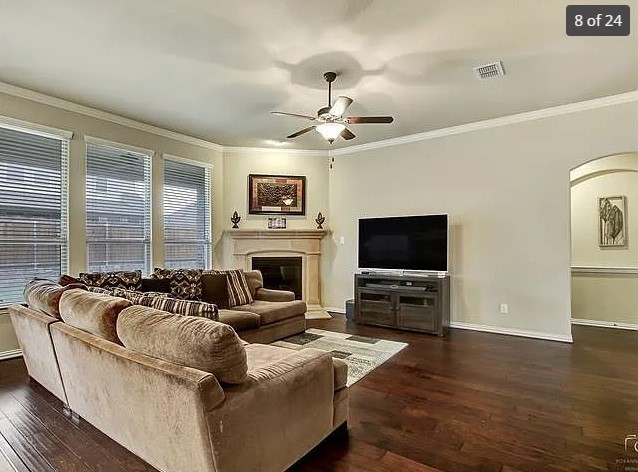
[(401, 301)]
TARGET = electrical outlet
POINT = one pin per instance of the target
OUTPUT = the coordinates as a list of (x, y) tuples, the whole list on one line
[(342, 240), (504, 308)]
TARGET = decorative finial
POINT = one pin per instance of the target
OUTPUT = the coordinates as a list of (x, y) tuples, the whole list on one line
[(235, 219), (320, 219)]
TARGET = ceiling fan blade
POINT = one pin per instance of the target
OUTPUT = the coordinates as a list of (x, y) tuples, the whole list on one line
[(283, 113), (340, 105), (347, 134), (369, 119), (300, 132)]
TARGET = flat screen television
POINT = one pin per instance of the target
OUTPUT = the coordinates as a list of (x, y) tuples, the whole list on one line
[(417, 243)]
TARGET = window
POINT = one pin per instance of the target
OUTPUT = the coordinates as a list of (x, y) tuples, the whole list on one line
[(187, 241), (118, 208), (33, 209)]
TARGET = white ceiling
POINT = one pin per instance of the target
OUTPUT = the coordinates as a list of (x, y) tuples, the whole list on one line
[(215, 68)]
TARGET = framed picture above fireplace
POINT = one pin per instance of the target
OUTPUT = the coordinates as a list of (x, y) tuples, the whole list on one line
[(276, 194)]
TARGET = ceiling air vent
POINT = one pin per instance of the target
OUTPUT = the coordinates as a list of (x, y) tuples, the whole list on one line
[(488, 71)]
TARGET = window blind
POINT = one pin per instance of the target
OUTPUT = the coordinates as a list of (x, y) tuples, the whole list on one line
[(33, 210), (187, 229), (118, 209)]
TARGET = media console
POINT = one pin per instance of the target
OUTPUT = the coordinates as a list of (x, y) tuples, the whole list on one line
[(409, 302)]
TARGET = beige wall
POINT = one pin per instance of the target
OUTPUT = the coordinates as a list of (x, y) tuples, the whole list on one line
[(605, 296), (238, 163), (507, 192)]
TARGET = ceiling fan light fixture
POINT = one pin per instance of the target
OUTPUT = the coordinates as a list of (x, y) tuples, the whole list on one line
[(330, 131)]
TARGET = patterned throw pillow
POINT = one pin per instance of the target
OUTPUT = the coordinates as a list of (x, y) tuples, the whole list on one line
[(238, 289), (186, 284), (128, 280), (99, 290)]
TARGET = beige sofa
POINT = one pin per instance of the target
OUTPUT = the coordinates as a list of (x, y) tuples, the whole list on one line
[(274, 314), (176, 417)]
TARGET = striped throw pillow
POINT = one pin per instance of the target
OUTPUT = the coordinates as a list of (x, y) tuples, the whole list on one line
[(238, 289), (184, 307), (161, 301)]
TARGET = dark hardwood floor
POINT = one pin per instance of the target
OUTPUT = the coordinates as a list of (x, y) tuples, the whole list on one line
[(468, 402)]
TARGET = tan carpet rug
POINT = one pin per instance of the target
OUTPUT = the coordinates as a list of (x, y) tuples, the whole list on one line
[(362, 354)]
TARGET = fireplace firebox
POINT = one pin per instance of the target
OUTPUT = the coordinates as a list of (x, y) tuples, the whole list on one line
[(281, 273)]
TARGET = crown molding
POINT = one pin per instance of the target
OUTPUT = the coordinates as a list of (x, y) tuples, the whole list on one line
[(611, 100), (38, 97), (493, 123), (280, 151)]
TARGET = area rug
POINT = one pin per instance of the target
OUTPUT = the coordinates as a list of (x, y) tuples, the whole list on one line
[(362, 354)]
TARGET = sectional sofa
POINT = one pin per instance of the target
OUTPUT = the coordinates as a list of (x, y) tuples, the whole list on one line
[(183, 393)]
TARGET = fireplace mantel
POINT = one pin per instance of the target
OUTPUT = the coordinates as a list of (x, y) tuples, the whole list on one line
[(277, 233), (306, 243)]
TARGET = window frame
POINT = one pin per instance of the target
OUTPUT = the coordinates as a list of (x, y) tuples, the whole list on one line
[(65, 138), (208, 195), (149, 156)]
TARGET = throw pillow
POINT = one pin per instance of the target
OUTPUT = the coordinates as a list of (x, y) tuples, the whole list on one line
[(67, 280), (100, 290), (238, 289), (151, 284), (136, 297), (215, 288), (186, 284), (183, 307), (44, 295), (130, 280)]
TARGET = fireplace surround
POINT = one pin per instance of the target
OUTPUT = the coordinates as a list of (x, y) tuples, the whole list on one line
[(249, 244)]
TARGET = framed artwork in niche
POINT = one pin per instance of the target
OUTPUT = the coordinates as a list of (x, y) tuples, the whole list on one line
[(276, 194), (612, 221)]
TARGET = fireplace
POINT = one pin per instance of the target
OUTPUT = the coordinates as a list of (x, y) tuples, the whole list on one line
[(281, 273)]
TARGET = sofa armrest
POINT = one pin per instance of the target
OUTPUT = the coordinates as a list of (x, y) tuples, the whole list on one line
[(283, 410), (32, 330), (269, 295)]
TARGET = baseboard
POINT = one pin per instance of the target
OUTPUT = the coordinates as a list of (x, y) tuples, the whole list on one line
[(512, 332), (333, 309), (5, 355), (605, 324)]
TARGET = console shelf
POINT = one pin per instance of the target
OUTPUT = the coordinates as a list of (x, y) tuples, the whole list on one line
[(409, 302)]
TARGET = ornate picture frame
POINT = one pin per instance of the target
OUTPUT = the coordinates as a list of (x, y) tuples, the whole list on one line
[(612, 221), (276, 194)]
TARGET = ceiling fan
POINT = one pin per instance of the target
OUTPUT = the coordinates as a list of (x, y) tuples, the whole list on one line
[(330, 120)]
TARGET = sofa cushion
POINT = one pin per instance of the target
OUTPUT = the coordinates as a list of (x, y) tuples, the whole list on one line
[(270, 312), (95, 313), (186, 284), (215, 288), (152, 284), (185, 340), (255, 281), (130, 280), (239, 320), (44, 295)]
